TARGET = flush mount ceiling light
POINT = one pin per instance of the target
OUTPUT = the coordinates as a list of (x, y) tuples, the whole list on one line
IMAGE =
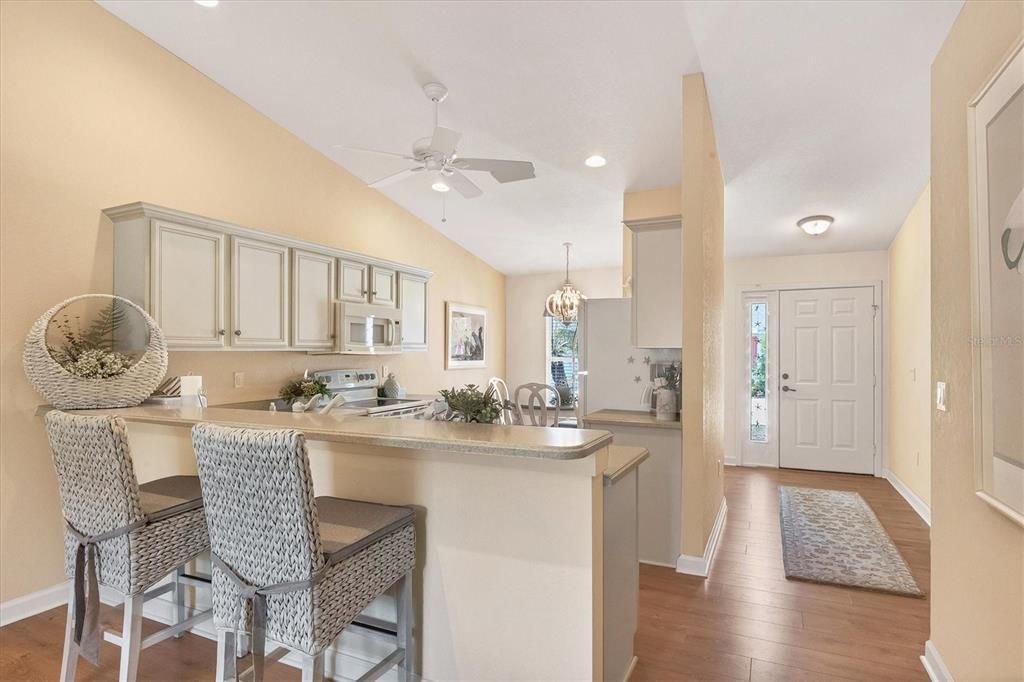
[(564, 304), (815, 224), (440, 186), (595, 161), (207, 3)]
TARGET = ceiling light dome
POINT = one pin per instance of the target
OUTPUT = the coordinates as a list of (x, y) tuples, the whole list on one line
[(207, 3), (564, 303), (440, 186), (595, 161), (815, 224)]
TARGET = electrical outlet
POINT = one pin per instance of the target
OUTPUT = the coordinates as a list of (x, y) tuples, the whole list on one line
[(239, 379), (918, 458), (940, 395), (383, 372)]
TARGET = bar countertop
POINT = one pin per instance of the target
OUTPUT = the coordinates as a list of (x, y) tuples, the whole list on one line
[(338, 427), (628, 418)]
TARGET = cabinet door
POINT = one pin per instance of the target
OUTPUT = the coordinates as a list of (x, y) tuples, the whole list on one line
[(657, 287), (187, 285), (384, 286), (412, 298), (312, 300), (259, 294), (352, 282)]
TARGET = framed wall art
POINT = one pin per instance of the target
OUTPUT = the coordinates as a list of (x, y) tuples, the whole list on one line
[(465, 336)]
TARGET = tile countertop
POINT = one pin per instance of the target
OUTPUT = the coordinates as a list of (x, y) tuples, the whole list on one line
[(628, 418), (486, 439)]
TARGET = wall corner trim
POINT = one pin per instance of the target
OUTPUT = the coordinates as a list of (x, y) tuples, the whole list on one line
[(934, 665), (919, 505), (701, 565), (29, 605)]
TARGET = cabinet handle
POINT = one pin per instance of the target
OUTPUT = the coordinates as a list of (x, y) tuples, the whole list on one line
[(375, 293), (221, 332), (365, 292), (238, 332)]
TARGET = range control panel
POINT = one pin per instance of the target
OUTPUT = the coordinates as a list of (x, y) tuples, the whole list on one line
[(339, 379)]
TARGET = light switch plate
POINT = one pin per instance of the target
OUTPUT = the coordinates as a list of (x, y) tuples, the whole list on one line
[(940, 395)]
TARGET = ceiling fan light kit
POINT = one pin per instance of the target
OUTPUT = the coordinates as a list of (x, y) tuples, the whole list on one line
[(437, 154), (564, 303)]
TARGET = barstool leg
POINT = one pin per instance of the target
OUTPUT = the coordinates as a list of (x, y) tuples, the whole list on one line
[(179, 598), (313, 668), (226, 660), (69, 662), (405, 619), (131, 638)]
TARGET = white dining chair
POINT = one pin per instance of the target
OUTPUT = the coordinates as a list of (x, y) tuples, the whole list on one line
[(538, 404), (509, 414)]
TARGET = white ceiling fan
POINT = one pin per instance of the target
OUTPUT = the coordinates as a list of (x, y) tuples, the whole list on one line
[(437, 155)]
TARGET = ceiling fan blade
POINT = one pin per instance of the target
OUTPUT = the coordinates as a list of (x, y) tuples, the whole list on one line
[(444, 140), (503, 171), (374, 151), (463, 185), (395, 177)]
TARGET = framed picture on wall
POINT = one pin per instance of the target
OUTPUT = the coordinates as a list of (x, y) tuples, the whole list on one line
[(465, 335), (996, 151)]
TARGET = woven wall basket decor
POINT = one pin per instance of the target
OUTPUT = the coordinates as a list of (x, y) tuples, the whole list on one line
[(66, 391)]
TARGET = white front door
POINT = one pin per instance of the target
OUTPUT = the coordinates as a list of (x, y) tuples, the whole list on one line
[(827, 379)]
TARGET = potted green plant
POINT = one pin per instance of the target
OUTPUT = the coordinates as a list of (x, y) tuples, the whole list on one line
[(305, 388), (470, 404)]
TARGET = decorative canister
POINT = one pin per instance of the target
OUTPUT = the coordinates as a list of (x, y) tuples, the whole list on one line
[(392, 388), (665, 409)]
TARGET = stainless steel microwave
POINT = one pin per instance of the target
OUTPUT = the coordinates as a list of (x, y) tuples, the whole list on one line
[(368, 329)]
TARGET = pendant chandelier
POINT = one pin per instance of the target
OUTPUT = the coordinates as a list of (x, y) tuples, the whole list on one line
[(564, 304)]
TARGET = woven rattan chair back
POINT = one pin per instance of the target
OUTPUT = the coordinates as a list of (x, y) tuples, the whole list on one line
[(98, 489), (260, 511)]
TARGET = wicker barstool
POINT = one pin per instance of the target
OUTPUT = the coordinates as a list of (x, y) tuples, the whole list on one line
[(290, 567), (121, 535)]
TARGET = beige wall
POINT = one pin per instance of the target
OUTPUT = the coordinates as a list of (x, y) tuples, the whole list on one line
[(977, 616), (703, 213), (524, 315), (908, 362), (94, 114), (741, 274)]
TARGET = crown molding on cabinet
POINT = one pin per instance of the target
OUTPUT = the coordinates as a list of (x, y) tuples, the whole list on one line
[(140, 209)]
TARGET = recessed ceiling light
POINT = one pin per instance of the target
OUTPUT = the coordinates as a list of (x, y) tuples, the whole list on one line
[(440, 186), (815, 224), (595, 161), (207, 3)]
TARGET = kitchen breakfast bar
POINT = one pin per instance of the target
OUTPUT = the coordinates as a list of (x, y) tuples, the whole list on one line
[(527, 547)]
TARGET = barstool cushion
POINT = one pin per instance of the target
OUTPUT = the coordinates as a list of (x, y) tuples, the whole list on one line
[(347, 526), (167, 497)]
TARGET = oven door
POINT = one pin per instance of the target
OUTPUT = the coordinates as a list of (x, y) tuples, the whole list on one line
[(368, 329)]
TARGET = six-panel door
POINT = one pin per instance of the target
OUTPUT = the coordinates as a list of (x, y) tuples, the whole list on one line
[(826, 379), (188, 285), (259, 294)]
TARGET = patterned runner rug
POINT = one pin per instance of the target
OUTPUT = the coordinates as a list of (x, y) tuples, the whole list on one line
[(833, 537)]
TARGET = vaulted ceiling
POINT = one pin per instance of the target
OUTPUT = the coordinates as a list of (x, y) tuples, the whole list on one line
[(819, 107)]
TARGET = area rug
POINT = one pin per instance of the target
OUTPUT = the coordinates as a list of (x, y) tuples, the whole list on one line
[(833, 537)]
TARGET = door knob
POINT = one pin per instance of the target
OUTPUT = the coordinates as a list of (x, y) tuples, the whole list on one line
[(787, 389), (785, 376)]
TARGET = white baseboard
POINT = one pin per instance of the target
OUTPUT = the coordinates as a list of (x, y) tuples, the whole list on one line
[(657, 563), (919, 505), (30, 604), (630, 669), (934, 665), (700, 565)]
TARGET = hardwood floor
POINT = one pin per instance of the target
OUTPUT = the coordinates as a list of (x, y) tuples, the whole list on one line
[(747, 622), (744, 622)]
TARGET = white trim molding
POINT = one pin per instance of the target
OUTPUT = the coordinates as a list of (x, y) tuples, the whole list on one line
[(919, 505), (700, 565), (934, 665), (29, 605)]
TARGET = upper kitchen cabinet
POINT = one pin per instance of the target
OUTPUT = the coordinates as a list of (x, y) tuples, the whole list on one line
[(657, 283), (187, 287), (412, 298), (259, 294), (384, 286), (312, 300), (353, 281), (213, 285)]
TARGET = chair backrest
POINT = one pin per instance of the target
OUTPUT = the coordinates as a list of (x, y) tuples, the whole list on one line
[(258, 497), (509, 414), (538, 403), (95, 475)]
